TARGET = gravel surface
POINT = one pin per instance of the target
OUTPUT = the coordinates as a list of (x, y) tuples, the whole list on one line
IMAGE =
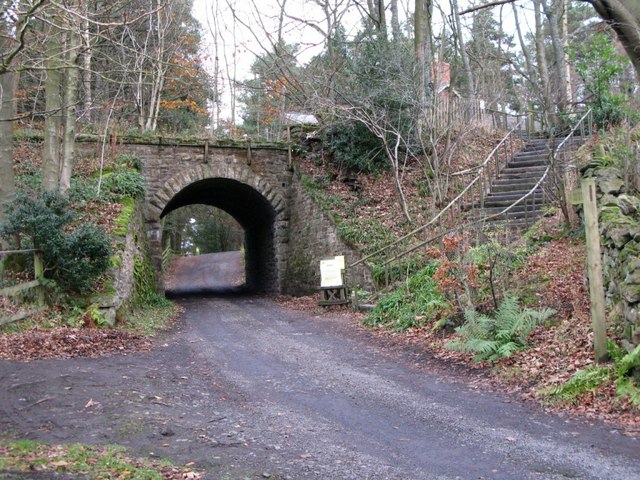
[(247, 389)]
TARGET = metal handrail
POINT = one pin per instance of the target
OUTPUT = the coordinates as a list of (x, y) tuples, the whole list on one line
[(544, 175), (482, 167), (507, 209), (440, 235), (493, 152)]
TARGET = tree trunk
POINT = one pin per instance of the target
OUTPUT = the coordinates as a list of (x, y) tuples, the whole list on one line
[(624, 17), (72, 77), (378, 16), (7, 184), (465, 59), (53, 106), (86, 65), (527, 58), (395, 21), (422, 35), (553, 12), (565, 47), (543, 70)]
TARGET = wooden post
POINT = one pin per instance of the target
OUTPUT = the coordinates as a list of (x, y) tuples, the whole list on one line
[(596, 288), (38, 266)]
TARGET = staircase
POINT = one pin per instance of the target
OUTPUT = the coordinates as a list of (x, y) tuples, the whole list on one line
[(521, 173), (527, 173)]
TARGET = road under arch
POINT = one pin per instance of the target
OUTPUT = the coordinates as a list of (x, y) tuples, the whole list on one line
[(255, 214)]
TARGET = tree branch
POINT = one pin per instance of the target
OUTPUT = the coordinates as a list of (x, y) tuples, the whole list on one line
[(486, 5)]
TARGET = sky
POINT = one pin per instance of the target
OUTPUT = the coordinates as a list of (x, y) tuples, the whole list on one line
[(243, 39)]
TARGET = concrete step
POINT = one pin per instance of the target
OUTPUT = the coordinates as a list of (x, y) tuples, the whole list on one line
[(519, 177), (533, 152), (528, 162), (506, 200), (536, 169), (512, 189), (508, 184), (523, 207), (514, 224), (529, 216)]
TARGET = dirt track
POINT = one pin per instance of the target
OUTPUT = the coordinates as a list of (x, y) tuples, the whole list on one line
[(246, 389)]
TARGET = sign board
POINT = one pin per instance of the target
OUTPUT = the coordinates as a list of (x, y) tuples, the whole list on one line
[(331, 272)]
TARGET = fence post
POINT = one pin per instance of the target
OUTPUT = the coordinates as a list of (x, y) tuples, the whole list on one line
[(596, 287), (38, 266)]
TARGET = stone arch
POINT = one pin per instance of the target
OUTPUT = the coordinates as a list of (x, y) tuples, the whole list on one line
[(258, 206)]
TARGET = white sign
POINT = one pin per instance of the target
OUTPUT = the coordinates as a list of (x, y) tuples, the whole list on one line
[(331, 272)]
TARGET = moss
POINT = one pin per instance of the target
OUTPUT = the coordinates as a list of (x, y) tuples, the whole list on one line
[(136, 138), (116, 261), (124, 218), (144, 286), (630, 252), (611, 214)]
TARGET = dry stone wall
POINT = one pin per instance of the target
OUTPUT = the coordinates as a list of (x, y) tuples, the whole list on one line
[(619, 220)]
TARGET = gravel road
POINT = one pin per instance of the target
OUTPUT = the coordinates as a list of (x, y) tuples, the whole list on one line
[(246, 389)]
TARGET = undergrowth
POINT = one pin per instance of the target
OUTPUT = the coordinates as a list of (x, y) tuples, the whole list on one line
[(156, 316), (498, 336), (623, 371), (415, 302)]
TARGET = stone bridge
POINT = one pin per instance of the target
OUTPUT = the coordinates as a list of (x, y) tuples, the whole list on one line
[(286, 234)]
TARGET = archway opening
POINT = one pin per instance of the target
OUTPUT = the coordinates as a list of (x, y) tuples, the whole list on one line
[(254, 215)]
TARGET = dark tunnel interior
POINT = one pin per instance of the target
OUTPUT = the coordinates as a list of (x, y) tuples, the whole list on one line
[(252, 211)]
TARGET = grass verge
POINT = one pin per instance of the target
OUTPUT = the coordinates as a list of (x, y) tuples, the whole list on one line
[(154, 317), (92, 462)]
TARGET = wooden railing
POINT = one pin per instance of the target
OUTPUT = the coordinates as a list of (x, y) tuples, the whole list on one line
[(17, 289)]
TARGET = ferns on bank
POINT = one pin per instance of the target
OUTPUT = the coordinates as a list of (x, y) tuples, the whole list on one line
[(493, 338)]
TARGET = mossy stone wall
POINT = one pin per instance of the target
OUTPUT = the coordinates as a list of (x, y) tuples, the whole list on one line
[(619, 221), (313, 236)]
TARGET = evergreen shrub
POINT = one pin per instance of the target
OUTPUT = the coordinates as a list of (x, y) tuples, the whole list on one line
[(74, 256)]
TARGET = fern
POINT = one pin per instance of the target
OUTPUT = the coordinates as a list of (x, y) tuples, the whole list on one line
[(587, 380), (625, 384), (594, 376), (493, 338)]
